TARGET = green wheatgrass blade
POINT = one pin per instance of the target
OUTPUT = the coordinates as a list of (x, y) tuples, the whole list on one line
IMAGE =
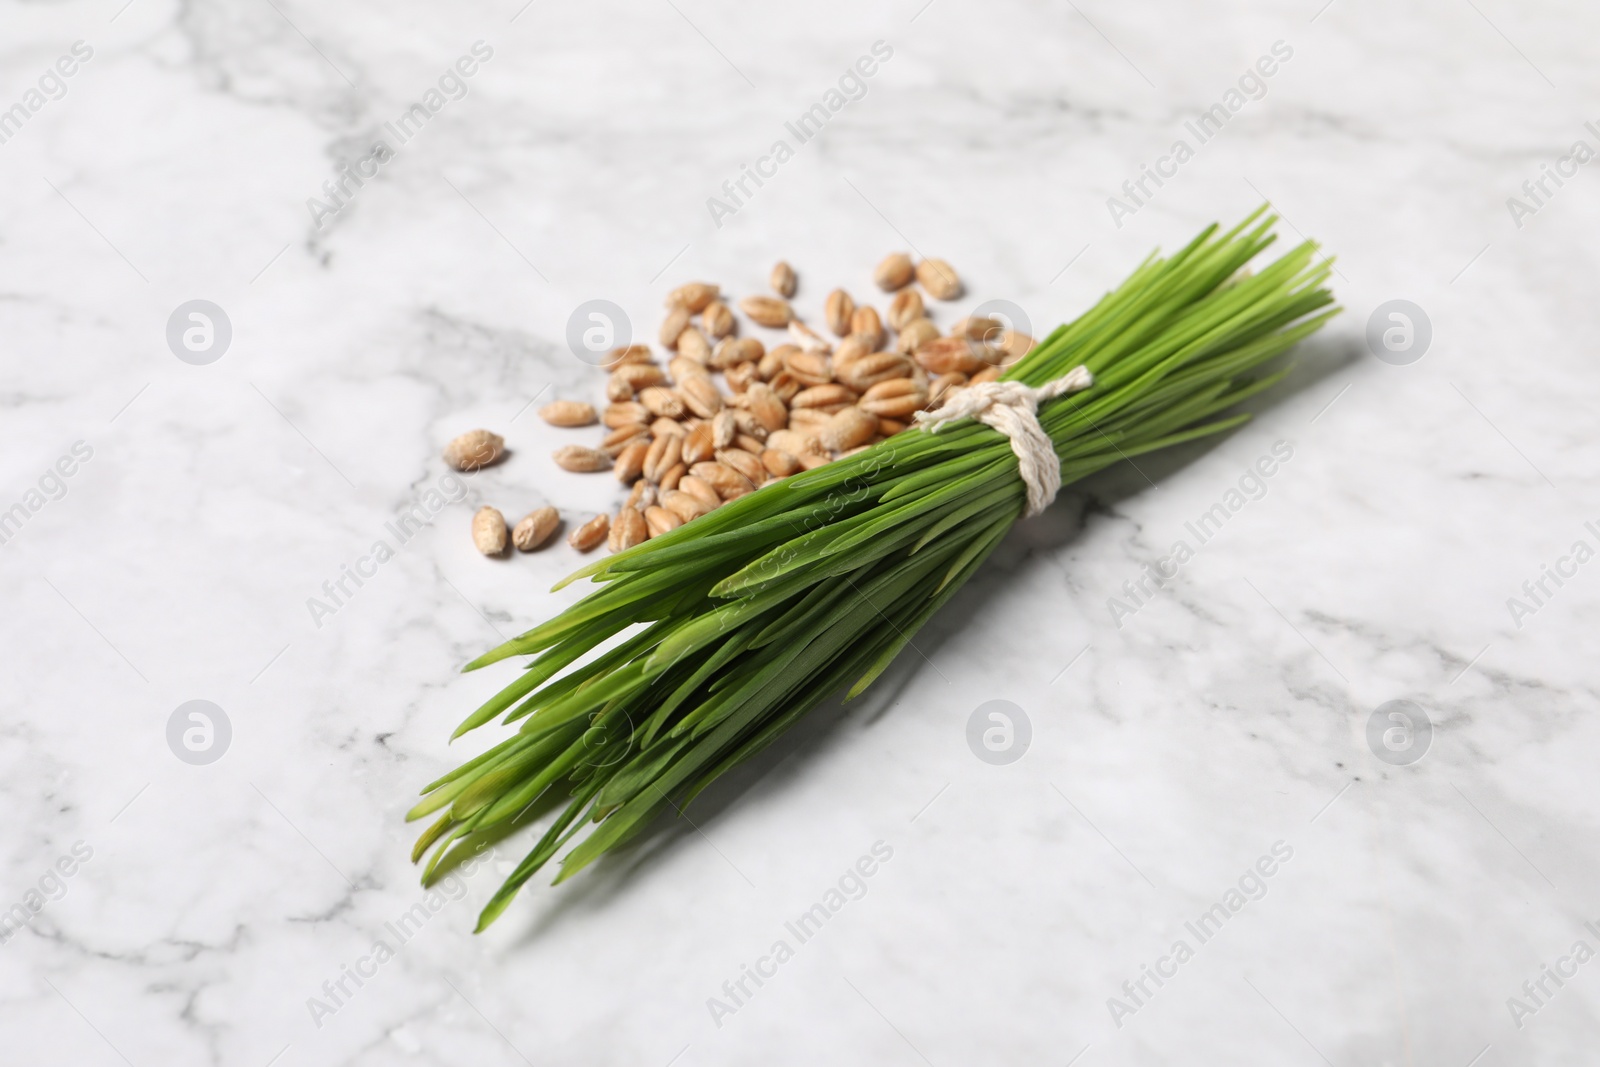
[(781, 559), (471, 765), (737, 624), (818, 688), (511, 805), (429, 836), (695, 682), (595, 669), (732, 527), (927, 507), (585, 699), (857, 615), (546, 666), (965, 463), (995, 497), (443, 791), (974, 552), (557, 835), (713, 624), (492, 784), (786, 666), (630, 601), (643, 769), (955, 577), (807, 553), (820, 599)]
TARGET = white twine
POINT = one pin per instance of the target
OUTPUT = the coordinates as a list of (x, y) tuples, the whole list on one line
[(1013, 409)]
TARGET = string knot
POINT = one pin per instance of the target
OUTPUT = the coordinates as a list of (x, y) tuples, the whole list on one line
[(1013, 409)]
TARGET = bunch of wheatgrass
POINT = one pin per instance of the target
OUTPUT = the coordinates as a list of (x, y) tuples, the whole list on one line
[(738, 623)]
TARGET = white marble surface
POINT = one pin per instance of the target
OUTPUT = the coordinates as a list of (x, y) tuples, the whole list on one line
[(1225, 716)]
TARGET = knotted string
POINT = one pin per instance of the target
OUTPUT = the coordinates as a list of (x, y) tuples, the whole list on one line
[(1013, 409)]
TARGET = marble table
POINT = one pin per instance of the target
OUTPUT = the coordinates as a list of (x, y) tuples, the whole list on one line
[(1220, 844)]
